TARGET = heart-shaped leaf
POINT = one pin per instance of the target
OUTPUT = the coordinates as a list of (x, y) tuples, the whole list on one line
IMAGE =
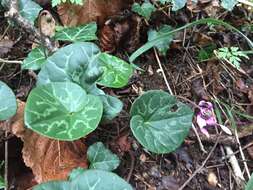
[(116, 72), (2, 182), (76, 63), (112, 106), (8, 104), (159, 122), (228, 4), (102, 158), (29, 9), (249, 185), (35, 59), (78, 34), (145, 10), (164, 45), (88, 180), (178, 4), (63, 111)]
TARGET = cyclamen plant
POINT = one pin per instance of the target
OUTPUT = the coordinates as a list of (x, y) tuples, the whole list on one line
[(67, 104)]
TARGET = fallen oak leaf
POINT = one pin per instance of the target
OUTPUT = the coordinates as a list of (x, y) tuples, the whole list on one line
[(91, 10), (49, 159), (5, 46)]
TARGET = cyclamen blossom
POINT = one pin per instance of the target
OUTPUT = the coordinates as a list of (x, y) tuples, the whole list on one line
[(206, 117)]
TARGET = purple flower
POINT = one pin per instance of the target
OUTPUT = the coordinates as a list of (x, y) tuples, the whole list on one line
[(206, 117)]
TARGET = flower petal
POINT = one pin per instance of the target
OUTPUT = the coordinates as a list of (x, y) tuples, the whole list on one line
[(205, 132), (200, 121), (211, 121)]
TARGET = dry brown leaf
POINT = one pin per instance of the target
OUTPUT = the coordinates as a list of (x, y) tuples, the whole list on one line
[(46, 23), (120, 33), (5, 46), (250, 151), (92, 10), (202, 39), (198, 89), (49, 159), (124, 143)]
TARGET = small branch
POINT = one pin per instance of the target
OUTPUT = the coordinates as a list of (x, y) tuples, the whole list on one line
[(201, 167), (7, 125), (224, 139), (242, 154), (10, 61), (246, 2), (235, 165), (14, 15), (163, 73), (132, 166), (198, 138)]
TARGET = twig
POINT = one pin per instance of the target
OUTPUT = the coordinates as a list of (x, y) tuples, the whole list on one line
[(14, 15), (10, 61), (202, 165), (246, 2), (132, 166), (198, 138), (235, 165), (6, 123), (163, 73), (242, 154), (236, 152), (224, 139)]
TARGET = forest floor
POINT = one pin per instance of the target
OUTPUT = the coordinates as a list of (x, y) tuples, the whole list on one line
[(190, 80)]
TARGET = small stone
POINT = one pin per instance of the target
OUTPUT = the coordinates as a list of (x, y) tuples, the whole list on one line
[(143, 158), (150, 70), (212, 179), (154, 172)]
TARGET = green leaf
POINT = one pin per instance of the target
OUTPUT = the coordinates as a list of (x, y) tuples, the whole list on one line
[(4, 4), (145, 10), (116, 72), (228, 4), (2, 183), (178, 4), (102, 158), (249, 185), (164, 1), (112, 106), (206, 53), (8, 104), (57, 2), (164, 45), (163, 37), (35, 59), (29, 9), (159, 122), (76, 63), (75, 172), (78, 34), (62, 111), (88, 180)]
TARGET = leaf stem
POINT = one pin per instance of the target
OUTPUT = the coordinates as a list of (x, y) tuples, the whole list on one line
[(213, 21)]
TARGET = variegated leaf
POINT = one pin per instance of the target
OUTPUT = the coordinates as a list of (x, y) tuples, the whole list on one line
[(62, 111)]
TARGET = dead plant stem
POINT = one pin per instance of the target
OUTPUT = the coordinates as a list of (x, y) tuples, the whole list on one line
[(242, 154), (10, 61), (163, 73), (15, 16)]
